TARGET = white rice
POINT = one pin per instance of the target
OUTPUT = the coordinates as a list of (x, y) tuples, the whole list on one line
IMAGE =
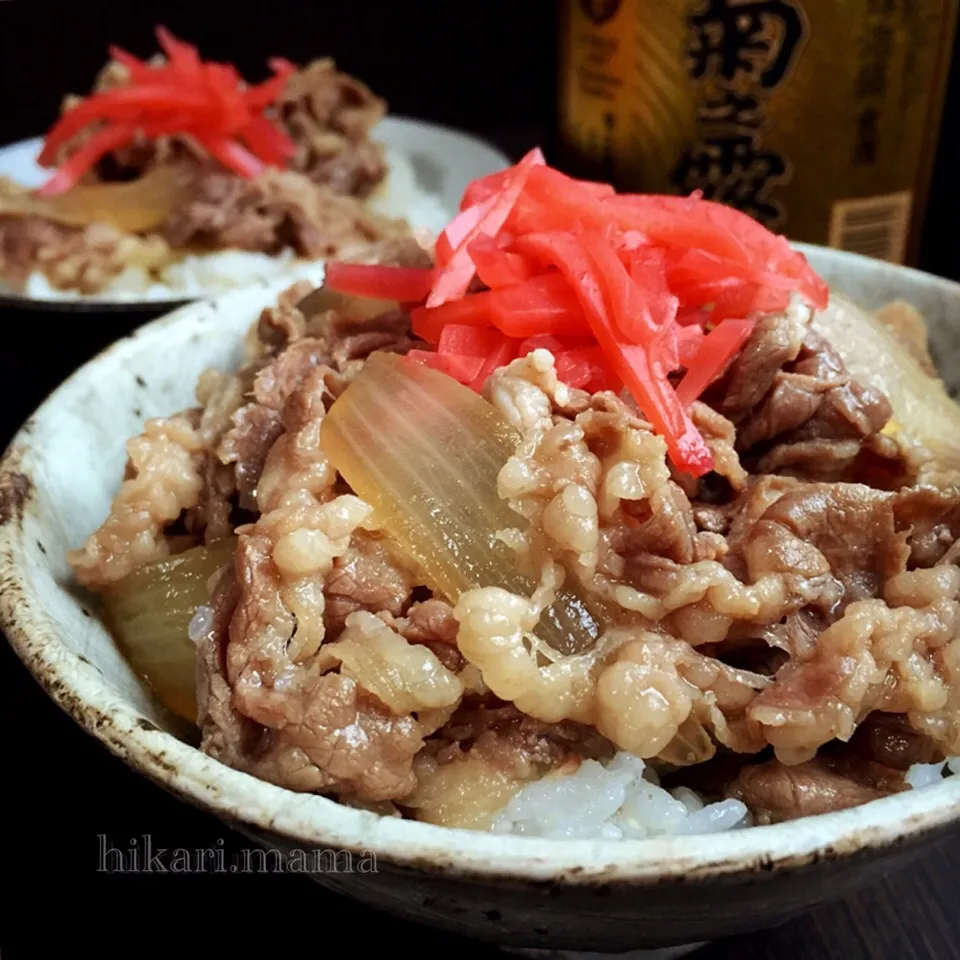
[(402, 197), (200, 623), (623, 800), (924, 774), (193, 276), (198, 275), (619, 800)]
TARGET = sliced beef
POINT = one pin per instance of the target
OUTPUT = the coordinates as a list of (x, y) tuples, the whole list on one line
[(400, 251), (279, 379), (226, 734), (774, 343), (814, 400), (286, 721), (796, 599), (348, 339), (792, 401), (279, 209), (432, 623), (356, 168), (368, 577), (845, 530), (668, 530), (828, 461), (887, 739), (282, 323), (509, 738), (80, 258), (932, 518), (776, 792), (213, 517), (798, 632), (285, 347), (245, 447), (27, 241), (330, 116), (799, 413), (848, 408)]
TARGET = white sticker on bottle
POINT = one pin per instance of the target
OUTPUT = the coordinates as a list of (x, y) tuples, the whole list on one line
[(874, 226)]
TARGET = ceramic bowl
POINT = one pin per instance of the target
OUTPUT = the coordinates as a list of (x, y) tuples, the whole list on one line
[(56, 484)]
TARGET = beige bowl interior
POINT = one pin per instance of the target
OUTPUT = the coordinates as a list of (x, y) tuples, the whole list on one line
[(56, 486)]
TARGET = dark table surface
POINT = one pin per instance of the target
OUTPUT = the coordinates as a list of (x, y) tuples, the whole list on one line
[(65, 796)]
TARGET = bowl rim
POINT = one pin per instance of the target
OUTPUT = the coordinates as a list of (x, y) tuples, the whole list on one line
[(318, 822)]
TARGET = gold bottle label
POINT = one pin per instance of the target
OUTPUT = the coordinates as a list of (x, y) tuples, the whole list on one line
[(817, 117)]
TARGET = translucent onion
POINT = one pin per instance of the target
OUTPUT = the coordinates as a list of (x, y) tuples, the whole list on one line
[(468, 793), (149, 614), (323, 299), (922, 409), (133, 206), (425, 453)]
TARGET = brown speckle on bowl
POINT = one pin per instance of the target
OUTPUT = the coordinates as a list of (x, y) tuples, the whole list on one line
[(15, 489)]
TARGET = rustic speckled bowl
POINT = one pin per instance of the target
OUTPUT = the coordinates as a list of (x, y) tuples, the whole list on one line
[(56, 483)]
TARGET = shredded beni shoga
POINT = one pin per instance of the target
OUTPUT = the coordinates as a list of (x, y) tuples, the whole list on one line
[(624, 290)]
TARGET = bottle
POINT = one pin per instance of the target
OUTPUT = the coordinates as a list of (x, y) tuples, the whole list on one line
[(819, 118)]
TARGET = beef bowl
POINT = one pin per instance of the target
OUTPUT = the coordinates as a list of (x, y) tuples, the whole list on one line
[(465, 857)]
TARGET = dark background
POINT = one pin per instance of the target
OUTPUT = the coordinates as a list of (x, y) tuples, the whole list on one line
[(488, 67)]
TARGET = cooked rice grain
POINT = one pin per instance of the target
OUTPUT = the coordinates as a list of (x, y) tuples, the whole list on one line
[(619, 800)]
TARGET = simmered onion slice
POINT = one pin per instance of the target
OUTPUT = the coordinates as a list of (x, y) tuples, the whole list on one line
[(425, 452), (149, 614)]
